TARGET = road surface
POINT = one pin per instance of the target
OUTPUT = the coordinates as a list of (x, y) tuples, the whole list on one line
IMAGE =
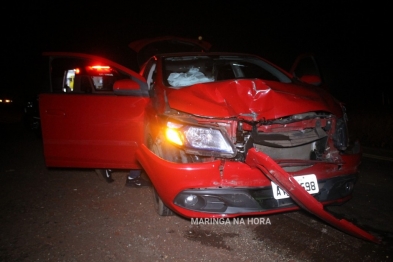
[(74, 215)]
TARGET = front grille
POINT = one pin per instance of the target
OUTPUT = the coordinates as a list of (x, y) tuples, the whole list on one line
[(302, 152)]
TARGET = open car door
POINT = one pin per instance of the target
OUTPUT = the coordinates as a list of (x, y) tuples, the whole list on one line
[(93, 115), (306, 69)]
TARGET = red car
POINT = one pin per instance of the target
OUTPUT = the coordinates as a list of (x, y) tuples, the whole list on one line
[(219, 135)]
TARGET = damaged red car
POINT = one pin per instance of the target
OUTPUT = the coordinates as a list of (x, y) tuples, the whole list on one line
[(218, 134)]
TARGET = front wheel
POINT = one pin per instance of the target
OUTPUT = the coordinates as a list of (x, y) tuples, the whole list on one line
[(160, 207)]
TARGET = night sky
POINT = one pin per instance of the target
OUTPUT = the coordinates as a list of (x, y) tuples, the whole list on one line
[(352, 42)]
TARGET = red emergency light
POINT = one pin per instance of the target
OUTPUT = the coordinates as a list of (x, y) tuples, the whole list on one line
[(100, 68)]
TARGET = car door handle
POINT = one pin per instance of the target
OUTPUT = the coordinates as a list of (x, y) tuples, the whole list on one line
[(55, 112)]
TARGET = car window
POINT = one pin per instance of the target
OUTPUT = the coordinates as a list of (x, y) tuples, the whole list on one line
[(185, 71), (76, 75)]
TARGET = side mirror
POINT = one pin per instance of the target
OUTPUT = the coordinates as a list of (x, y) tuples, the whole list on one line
[(306, 69), (311, 79)]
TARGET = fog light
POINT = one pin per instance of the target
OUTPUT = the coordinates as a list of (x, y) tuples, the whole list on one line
[(349, 186), (191, 200)]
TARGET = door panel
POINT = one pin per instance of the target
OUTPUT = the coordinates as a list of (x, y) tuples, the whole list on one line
[(84, 123), (91, 131)]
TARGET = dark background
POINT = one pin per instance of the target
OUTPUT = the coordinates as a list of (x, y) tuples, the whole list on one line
[(351, 41)]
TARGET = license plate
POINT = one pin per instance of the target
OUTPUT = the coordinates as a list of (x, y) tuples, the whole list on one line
[(308, 182)]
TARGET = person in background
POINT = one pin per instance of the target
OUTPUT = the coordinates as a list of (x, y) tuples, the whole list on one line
[(133, 179)]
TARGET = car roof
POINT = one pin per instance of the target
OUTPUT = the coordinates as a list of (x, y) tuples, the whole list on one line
[(207, 54)]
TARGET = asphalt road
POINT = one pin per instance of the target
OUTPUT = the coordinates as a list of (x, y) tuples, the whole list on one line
[(74, 215)]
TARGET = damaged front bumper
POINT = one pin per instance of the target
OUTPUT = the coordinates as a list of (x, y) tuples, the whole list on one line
[(300, 195), (258, 199), (230, 189)]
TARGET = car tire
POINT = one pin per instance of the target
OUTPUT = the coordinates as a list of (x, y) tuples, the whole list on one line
[(159, 206)]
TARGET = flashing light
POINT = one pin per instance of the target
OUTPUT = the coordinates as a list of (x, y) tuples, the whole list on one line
[(99, 69)]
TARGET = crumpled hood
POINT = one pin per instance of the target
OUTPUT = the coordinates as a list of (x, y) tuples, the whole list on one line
[(251, 99)]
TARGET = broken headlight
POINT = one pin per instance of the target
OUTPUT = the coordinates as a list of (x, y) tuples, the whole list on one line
[(199, 140)]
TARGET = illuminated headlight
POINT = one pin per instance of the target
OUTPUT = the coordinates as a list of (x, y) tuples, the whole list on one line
[(200, 140)]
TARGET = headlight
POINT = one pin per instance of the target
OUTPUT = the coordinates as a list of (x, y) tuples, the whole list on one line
[(207, 139), (200, 140)]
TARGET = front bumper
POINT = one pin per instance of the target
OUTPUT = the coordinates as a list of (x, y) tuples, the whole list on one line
[(230, 189), (247, 187), (231, 201)]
